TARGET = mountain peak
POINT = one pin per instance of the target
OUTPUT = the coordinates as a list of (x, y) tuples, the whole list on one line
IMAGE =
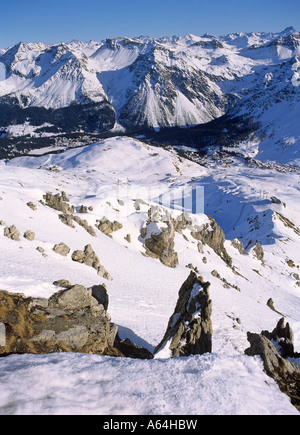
[(288, 31)]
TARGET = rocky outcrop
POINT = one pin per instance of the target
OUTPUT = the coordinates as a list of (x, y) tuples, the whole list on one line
[(58, 202), (284, 372), (90, 258), (189, 331), (70, 321), (160, 237), (212, 235)]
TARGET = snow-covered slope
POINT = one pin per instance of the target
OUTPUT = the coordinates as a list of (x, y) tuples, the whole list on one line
[(88, 385), (120, 179)]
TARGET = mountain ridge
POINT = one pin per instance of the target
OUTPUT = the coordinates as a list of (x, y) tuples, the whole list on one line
[(143, 83)]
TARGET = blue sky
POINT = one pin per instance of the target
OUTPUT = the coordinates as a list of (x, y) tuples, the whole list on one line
[(63, 20)]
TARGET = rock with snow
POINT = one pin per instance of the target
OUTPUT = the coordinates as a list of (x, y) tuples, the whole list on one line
[(190, 330), (258, 251), (212, 235), (284, 372), (238, 244), (159, 238)]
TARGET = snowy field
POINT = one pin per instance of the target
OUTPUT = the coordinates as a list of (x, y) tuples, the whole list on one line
[(109, 177), (88, 384)]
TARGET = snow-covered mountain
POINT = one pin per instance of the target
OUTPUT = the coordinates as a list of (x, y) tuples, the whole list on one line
[(135, 83), (151, 209)]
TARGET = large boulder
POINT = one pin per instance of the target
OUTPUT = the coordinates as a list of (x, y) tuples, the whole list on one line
[(70, 321), (189, 331)]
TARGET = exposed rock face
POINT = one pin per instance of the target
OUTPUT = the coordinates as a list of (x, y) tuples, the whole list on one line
[(12, 233), (189, 331), (160, 240), (89, 258), (213, 236), (285, 373), (70, 321)]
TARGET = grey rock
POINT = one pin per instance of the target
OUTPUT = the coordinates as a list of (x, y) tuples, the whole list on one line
[(212, 235), (70, 321), (84, 223), (107, 227), (189, 331), (75, 298), (67, 219), (284, 372), (63, 283), (90, 258), (74, 338)]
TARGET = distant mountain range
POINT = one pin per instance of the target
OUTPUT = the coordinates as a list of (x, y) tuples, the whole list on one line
[(127, 84)]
